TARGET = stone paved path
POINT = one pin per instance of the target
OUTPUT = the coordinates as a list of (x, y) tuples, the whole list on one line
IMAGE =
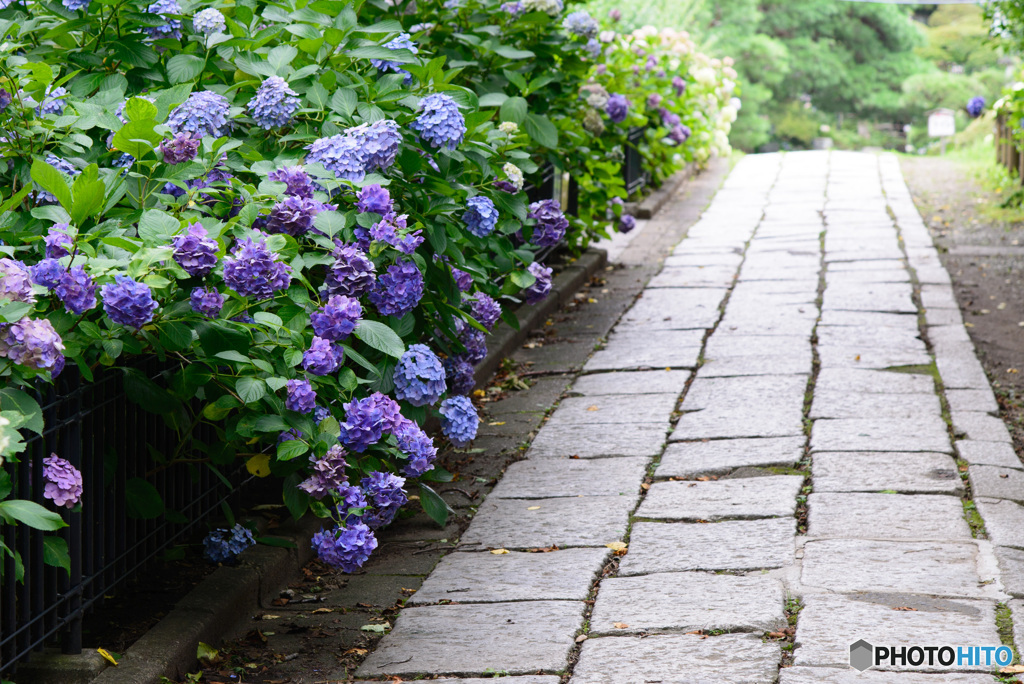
[(776, 428)]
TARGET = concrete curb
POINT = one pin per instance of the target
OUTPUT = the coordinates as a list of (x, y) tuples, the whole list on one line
[(653, 203)]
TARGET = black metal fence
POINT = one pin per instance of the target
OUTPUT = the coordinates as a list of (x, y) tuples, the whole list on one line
[(633, 171), (112, 441)]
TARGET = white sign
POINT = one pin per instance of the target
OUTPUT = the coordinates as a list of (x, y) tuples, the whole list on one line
[(941, 123)]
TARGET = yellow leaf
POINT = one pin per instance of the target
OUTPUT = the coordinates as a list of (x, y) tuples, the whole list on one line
[(259, 465), (497, 422), (1011, 669), (620, 625), (206, 652), (617, 546), (533, 508), (323, 610), (499, 552), (106, 655), (479, 393), (593, 408)]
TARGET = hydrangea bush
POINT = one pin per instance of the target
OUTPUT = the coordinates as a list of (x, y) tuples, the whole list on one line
[(313, 213)]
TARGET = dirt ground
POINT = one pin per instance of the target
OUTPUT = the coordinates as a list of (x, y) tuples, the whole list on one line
[(983, 250)]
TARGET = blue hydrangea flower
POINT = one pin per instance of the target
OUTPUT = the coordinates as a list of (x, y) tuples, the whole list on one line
[(391, 229), (128, 302), (66, 168), (374, 198), (463, 280), (47, 273), (34, 344), (58, 241), (75, 5), (340, 154), (293, 216), (541, 286), (475, 341), (593, 48), (679, 134), (459, 420), (480, 216), (297, 181), (77, 290), (352, 274), (288, 436), (5, 96), (440, 123), (513, 8), (53, 101), (15, 281), (581, 24), (179, 149), (360, 150), (459, 374), (209, 21), (195, 251), (322, 357), (402, 42), (345, 548), (253, 270), (550, 223), (206, 301), (203, 113), (384, 493), (485, 310), (350, 497), (617, 108), (399, 290), (327, 474), (301, 396), (419, 376), (321, 413), (626, 223), (171, 28), (223, 545), (275, 103), (366, 421), (975, 106), (418, 446), (679, 85), (337, 319)]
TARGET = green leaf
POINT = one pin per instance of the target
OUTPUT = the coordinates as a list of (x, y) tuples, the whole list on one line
[(276, 541), (402, 56), (522, 278), (509, 52), (184, 68), (330, 222), (541, 130), (142, 499), (136, 138), (175, 336), (232, 355), (89, 194), (31, 514), (380, 337), (16, 400), (281, 56), (514, 109), (147, 394), (250, 390), (271, 423), (295, 499), (292, 448), (55, 553), (493, 99), (53, 181), (157, 227), (138, 109), (318, 96), (434, 506), (344, 101)]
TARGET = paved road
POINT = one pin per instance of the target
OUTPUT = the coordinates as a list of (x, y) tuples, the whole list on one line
[(776, 431)]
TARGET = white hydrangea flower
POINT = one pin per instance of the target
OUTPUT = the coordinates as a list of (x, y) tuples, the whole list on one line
[(5, 438), (508, 127), (515, 175), (551, 7)]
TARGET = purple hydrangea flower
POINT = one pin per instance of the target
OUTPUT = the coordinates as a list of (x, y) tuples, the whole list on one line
[(34, 344), (171, 28), (617, 108), (289, 436), (668, 118), (679, 134), (418, 446), (463, 280), (47, 273), (513, 8), (322, 357), (340, 154), (209, 21), (77, 290), (296, 180), (65, 167), (58, 240), (327, 474), (541, 286), (15, 281), (128, 302), (485, 310), (75, 5), (301, 396), (975, 106), (63, 481), (53, 102), (581, 24), (206, 301), (293, 216), (475, 341), (337, 319), (402, 42), (352, 273), (398, 290), (195, 251), (459, 420), (5, 99), (679, 85), (351, 497), (480, 216), (626, 223), (179, 149), (440, 122), (345, 548), (419, 376), (654, 100), (593, 48), (203, 113), (459, 374), (222, 546), (374, 198), (360, 150), (551, 223), (384, 493), (275, 103), (366, 420), (253, 270), (321, 413)]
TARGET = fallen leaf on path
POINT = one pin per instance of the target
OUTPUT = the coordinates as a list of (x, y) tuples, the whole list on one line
[(593, 408), (280, 602), (581, 638), (499, 552), (905, 608), (270, 617), (533, 508), (323, 610), (618, 547), (620, 625), (497, 422), (379, 629), (1011, 669), (106, 655)]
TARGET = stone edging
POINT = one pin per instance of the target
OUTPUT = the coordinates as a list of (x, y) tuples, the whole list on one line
[(652, 204)]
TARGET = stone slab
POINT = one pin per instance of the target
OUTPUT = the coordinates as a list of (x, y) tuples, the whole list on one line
[(913, 567), (555, 477), (845, 356), (854, 381), (718, 457), (961, 371), (1004, 521), (885, 297), (536, 523), (988, 453), (735, 366), (598, 441), (694, 276), (1011, 570), (518, 638), (885, 516), (653, 349), (776, 421), (674, 309), (741, 395), (688, 601), (678, 659), (972, 400), (837, 404), (994, 482), (565, 574), (927, 433), (745, 498), (830, 623), (828, 675), (980, 426), (871, 337), (631, 382), (909, 473), (736, 545), (624, 408)]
